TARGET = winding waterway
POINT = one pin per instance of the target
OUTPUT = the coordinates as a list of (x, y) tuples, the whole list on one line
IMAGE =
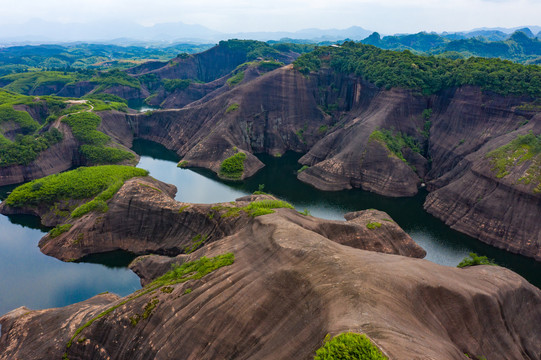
[(443, 245), (29, 278)]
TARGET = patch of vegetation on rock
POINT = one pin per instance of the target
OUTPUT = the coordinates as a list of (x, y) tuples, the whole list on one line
[(523, 148), (172, 85), (473, 259), (254, 209), (232, 107), (100, 182), (196, 243), (373, 225), (84, 127), (233, 167), (192, 270), (59, 230), (235, 79), (349, 346), (395, 141)]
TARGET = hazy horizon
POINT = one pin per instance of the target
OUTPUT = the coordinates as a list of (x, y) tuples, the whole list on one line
[(238, 16)]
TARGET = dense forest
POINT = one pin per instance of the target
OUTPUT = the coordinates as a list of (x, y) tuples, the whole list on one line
[(429, 74)]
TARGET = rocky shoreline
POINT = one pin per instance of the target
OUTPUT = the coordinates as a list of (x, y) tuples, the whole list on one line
[(294, 279)]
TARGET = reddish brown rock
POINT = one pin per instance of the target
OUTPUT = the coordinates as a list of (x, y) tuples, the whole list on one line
[(503, 212), (143, 218), (288, 287)]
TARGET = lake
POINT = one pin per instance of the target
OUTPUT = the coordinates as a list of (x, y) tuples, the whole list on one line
[(38, 281)]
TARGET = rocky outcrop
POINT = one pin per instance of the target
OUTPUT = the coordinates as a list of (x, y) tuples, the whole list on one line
[(143, 218), (288, 287), (246, 118), (331, 118), (208, 65), (78, 89), (59, 157), (65, 154), (503, 212)]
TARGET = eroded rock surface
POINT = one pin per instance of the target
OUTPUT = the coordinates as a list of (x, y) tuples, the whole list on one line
[(143, 218), (288, 287)]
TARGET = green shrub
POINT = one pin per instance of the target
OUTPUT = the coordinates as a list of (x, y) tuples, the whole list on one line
[(176, 84), (232, 107), (235, 79), (26, 149), (306, 212), (349, 346), (474, 259), (523, 148), (264, 207), (427, 113), (373, 225), (196, 243), (182, 164), (82, 183), (100, 155), (260, 191), (233, 167), (60, 229), (396, 142), (304, 167)]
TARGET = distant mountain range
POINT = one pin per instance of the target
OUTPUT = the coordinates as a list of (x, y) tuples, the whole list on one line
[(122, 33), (38, 31), (520, 46)]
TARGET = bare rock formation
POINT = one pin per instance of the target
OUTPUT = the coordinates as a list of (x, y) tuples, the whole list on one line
[(143, 218), (288, 287)]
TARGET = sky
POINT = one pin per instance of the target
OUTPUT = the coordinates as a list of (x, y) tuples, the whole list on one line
[(384, 16)]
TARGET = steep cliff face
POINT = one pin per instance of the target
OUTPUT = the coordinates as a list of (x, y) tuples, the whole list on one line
[(288, 287), (332, 118), (503, 211), (245, 117), (465, 119), (78, 89), (209, 65)]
